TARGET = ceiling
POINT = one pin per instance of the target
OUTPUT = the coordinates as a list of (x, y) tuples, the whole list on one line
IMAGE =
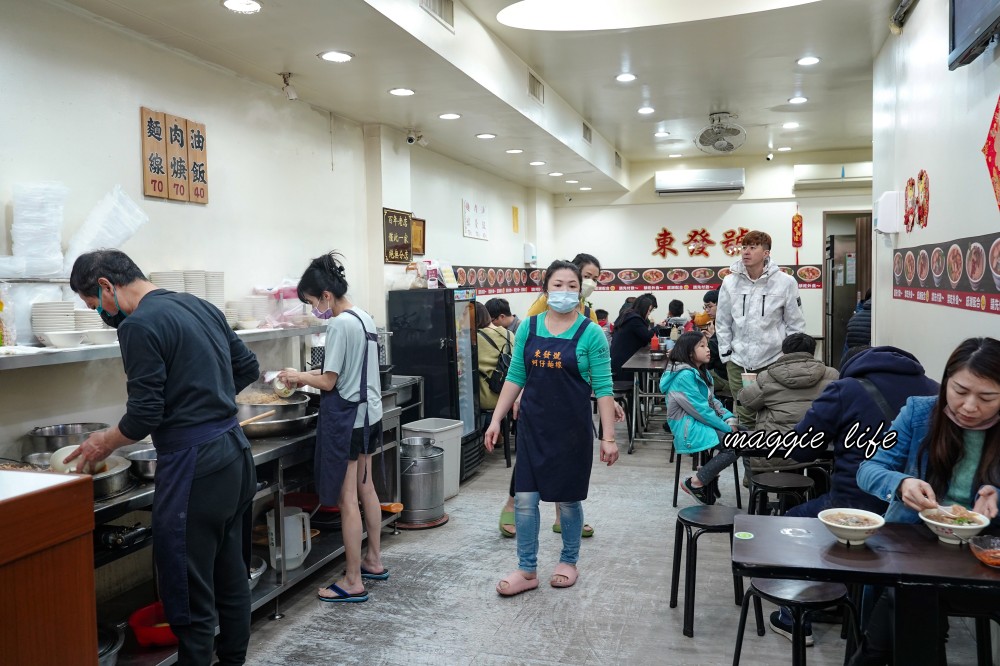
[(741, 64)]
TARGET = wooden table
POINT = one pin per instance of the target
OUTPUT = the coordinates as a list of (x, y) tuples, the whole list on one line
[(909, 558), (645, 386)]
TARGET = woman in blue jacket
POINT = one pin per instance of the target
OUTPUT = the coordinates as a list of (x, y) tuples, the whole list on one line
[(947, 452), (696, 418)]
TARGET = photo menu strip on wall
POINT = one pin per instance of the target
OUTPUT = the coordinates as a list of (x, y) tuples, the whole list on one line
[(491, 281), (964, 273)]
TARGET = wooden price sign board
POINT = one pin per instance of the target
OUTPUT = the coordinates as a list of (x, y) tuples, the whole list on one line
[(397, 234), (174, 157)]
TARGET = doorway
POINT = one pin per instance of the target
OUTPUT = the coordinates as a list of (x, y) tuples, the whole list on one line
[(847, 275)]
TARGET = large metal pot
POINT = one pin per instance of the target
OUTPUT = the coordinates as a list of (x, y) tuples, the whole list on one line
[(287, 408), (422, 480), (275, 427), (109, 643), (114, 480), (54, 437), (143, 463)]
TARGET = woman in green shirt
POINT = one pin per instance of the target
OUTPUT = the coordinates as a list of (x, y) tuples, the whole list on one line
[(559, 358)]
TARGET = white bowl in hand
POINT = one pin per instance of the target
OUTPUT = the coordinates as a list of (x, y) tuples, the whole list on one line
[(851, 526), (954, 533)]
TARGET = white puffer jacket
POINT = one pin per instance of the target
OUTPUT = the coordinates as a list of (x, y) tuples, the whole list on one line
[(755, 316)]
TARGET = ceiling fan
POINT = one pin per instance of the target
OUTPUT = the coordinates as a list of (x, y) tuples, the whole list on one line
[(722, 136)]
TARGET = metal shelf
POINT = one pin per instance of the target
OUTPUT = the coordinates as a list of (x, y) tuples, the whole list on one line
[(99, 352)]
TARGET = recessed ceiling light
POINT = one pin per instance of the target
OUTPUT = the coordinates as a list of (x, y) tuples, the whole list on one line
[(797, 100), (675, 155), (536, 163), (450, 116), (790, 125), (514, 151), (586, 189), (646, 110), (572, 182), (242, 6), (486, 135), (401, 92), (625, 77), (808, 60), (336, 56), (784, 149), (660, 135), (556, 173)]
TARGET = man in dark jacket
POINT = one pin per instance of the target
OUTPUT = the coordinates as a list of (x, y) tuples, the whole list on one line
[(849, 417), (859, 326)]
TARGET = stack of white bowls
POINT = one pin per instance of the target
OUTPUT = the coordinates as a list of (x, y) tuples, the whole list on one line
[(251, 310), (232, 311), (215, 289), (87, 320), (51, 316), (194, 283), (169, 280)]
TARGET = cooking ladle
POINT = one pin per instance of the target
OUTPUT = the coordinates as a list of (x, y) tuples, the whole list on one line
[(259, 417)]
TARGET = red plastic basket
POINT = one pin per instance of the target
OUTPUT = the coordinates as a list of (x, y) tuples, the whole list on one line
[(147, 634)]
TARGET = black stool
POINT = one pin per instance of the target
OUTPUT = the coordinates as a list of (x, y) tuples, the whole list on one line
[(694, 461), (692, 522), (801, 597), (782, 484)]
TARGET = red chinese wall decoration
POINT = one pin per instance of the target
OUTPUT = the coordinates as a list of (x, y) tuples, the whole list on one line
[(797, 233), (697, 242), (990, 152), (732, 240), (664, 243)]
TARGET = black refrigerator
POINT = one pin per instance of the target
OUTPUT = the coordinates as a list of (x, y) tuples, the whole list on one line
[(434, 337)]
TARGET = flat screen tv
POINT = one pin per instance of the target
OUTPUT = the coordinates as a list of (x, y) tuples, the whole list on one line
[(973, 25)]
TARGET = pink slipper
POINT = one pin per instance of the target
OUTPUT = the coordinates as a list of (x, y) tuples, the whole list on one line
[(567, 570), (516, 584)]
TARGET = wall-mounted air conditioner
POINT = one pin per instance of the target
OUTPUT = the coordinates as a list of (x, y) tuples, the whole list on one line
[(699, 181), (832, 176)]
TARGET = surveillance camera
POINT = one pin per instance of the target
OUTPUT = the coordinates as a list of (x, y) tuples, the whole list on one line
[(411, 137), (568, 197), (770, 156)]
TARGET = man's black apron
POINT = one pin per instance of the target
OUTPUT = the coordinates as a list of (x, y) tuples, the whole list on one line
[(176, 457), (333, 432), (555, 449)]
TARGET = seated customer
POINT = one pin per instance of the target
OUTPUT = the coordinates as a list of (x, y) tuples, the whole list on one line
[(782, 394), (675, 322), (633, 331), (845, 406)]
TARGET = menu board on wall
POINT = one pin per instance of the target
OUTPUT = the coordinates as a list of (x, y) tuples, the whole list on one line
[(397, 236), (174, 157), (490, 281), (964, 273)]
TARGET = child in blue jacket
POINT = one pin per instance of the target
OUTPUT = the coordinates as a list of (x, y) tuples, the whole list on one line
[(696, 418)]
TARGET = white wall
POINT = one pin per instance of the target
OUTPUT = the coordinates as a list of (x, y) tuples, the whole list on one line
[(287, 181), (623, 236), (926, 117)]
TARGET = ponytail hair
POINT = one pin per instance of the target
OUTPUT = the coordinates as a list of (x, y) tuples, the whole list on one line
[(325, 273)]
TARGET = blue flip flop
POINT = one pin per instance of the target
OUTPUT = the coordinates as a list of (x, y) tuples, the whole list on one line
[(343, 595), (371, 575)]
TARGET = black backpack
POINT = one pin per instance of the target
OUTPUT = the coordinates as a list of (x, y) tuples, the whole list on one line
[(496, 378)]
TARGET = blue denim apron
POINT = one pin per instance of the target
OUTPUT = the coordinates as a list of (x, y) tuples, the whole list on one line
[(334, 429), (555, 430), (176, 456)]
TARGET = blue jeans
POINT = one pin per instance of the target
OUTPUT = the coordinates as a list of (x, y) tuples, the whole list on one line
[(527, 519)]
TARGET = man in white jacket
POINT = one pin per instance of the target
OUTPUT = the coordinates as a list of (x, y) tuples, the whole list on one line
[(759, 306)]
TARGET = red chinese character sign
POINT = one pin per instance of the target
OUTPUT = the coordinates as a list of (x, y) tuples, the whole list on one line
[(990, 152), (698, 241), (797, 233), (664, 243), (732, 240)]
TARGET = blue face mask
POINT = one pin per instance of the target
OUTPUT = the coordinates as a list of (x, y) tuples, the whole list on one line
[(564, 301), (112, 320)]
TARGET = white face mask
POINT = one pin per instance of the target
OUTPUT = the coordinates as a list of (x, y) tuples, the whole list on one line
[(587, 288)]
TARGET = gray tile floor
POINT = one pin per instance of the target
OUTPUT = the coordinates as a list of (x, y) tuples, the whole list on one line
[(440, 607)]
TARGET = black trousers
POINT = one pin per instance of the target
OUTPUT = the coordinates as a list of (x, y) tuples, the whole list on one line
[(218, 520), (876, 643)]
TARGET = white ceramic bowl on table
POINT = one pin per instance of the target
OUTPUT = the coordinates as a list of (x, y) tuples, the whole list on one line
[(62, 339), (851, 535), (101, 336), (953, 534)]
